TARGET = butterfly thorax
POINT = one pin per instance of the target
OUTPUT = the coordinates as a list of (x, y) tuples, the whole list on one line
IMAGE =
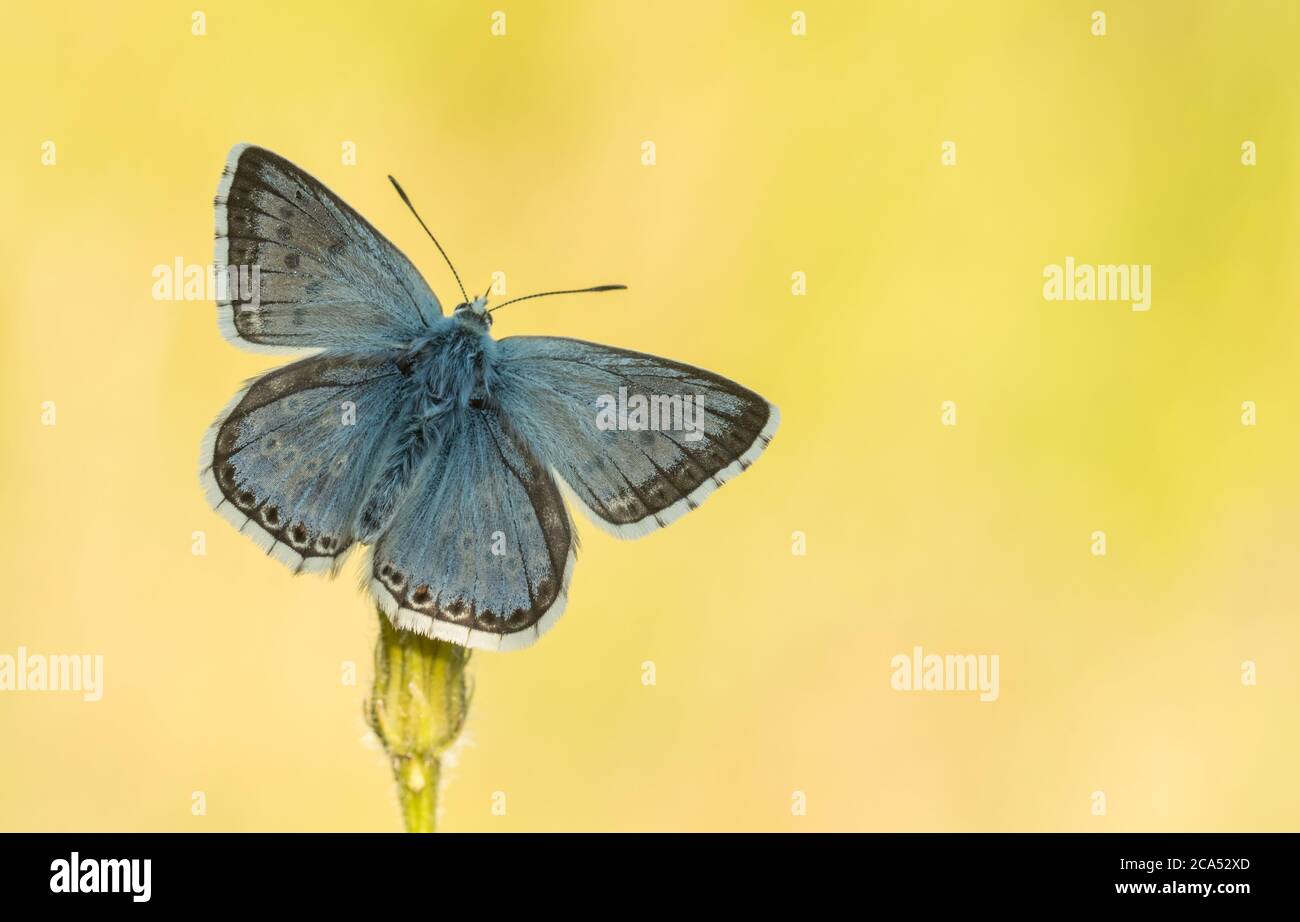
[(449, 367)]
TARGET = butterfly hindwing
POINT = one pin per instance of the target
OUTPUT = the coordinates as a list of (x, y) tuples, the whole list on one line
[(630, 481), (308, 271), (482, 549), (289, 461)]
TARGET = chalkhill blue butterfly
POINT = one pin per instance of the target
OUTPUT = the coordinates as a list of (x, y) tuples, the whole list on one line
[(422, 436)]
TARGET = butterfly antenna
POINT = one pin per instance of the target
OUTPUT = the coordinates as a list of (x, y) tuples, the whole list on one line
[(402, 193), (565, 291)]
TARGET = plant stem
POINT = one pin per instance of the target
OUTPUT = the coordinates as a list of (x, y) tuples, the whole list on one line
[(417, 709)]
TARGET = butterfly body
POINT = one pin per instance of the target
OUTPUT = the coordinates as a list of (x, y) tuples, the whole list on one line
[(448, 371), (419, 434)]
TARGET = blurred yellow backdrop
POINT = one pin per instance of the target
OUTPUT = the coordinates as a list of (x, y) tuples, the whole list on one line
[(775, 153)]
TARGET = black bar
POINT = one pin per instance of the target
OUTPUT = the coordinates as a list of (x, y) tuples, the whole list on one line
[(242, 870)]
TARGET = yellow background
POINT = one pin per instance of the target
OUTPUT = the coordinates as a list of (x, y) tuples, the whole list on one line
[(775, 154)]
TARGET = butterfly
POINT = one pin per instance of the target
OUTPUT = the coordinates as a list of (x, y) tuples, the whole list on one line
[(420, 435)]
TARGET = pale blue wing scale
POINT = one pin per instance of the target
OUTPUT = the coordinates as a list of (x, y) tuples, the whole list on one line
[(325, 277), (628, 482)]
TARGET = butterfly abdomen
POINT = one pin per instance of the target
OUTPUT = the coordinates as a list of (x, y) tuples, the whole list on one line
[(413, 445)]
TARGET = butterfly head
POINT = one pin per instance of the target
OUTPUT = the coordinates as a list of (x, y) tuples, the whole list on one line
[(474, 313)]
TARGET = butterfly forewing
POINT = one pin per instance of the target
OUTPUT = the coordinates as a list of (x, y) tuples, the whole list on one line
[(302, 269), (630, 480)]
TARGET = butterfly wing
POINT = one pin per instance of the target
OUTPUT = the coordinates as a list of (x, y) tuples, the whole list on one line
[(324, 276), (288, 462), (481, 551), (628, 482)]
